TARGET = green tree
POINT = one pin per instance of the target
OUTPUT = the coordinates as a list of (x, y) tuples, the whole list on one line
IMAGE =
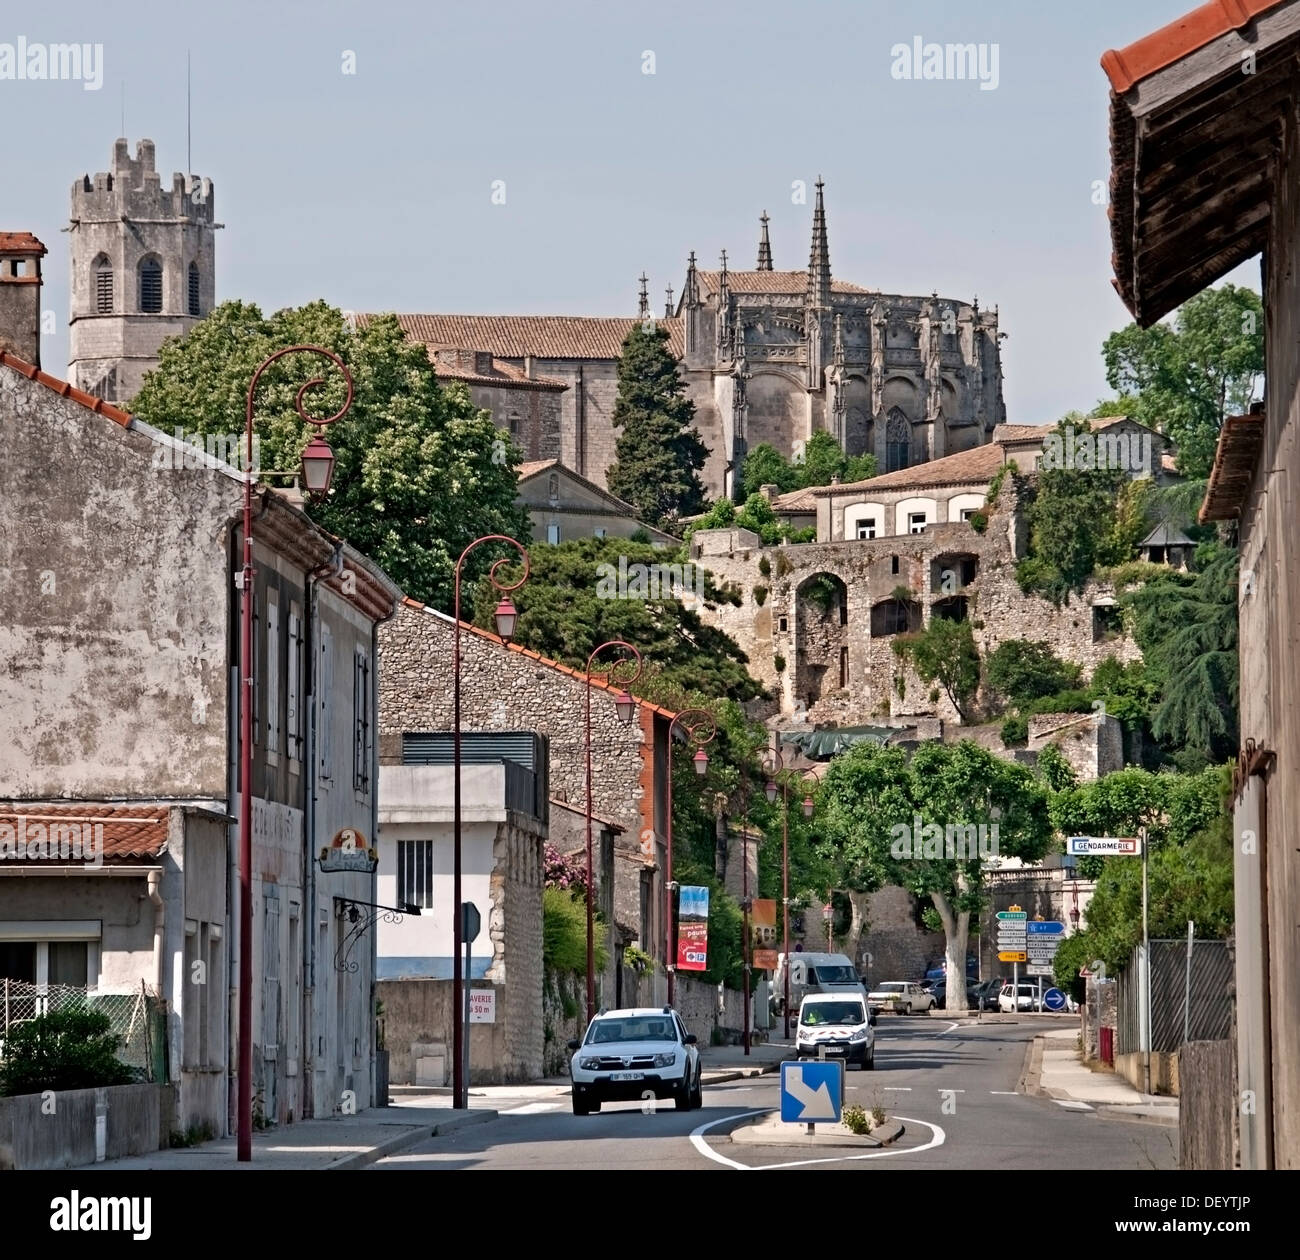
[(766, 466), (419, 471), (1185, 377), (821, 460), (1021, 671), (659, 453), (945, 653), (874, 798)]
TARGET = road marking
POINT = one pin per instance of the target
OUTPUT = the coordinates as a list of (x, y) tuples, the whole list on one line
[(1072, 1106), (942, 1090), (904, 1088), (1005, 1093), (697, 1141), (531, 1109)]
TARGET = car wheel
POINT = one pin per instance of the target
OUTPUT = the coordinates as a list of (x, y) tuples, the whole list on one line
[(682, 1098), (869, 1062), (697, 1094), (580, 1108)]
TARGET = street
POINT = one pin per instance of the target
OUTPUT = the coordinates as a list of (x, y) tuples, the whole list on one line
[(953, 1087)]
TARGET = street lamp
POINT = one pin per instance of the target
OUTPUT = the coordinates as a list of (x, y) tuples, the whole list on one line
[(317, 472), (700, 728), (625, 707), (775, 769), (506, 616)]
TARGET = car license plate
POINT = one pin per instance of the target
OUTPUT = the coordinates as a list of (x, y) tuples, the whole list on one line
[(627, 1076), (834, 1049)]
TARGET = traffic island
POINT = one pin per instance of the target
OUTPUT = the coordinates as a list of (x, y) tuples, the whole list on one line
[(771, 1130)]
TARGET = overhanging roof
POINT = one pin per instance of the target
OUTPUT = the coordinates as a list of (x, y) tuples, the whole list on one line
[(1235, 459)]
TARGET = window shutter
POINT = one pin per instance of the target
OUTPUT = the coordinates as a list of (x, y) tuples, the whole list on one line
[(293, 706), (273, 677), (325, 682)]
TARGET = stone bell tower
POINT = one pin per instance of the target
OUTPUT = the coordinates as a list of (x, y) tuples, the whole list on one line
[(141, 269)]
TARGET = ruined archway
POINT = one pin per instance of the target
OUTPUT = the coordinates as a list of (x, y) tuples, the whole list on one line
[(821, 664)]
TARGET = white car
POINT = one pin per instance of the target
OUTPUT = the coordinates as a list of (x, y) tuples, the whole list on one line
[(1027, 999), (839, 1027), (900, 996), (642, 1052)]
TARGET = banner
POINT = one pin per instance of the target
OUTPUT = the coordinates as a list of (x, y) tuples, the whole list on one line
[(692, 928), (762, 927)]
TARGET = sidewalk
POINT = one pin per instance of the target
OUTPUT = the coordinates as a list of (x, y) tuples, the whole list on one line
[(1055, 1069), (340, 1142)]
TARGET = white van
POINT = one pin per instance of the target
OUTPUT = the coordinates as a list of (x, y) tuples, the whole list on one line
[(839, 1025), (816, 973)]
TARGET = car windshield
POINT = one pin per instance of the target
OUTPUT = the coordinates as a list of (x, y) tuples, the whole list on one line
[(632, 1028), (832, 974), (890, 988), (832, 1013)]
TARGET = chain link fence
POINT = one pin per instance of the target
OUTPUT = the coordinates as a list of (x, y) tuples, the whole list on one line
[(138, 1019)]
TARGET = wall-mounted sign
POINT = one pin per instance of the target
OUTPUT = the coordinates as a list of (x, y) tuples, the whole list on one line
[(482, 1006), (348, 852)]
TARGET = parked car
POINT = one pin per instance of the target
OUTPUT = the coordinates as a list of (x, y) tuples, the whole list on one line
[(840, 1026), (987, 993), (632, 1054), (939, 991), (1023, 997), (900, 997)]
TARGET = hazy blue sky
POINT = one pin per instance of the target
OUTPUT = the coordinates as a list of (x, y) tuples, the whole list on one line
[(374, 190)]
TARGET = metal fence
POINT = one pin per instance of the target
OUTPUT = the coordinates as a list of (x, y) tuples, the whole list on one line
[(137, 1018), (1206, 1014)]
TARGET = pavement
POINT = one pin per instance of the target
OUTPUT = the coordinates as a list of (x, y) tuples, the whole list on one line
[(1055, 1069)]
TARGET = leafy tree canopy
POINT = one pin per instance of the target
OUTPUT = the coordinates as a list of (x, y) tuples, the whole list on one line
[(821, 460), (1021, 671), (945, 653)]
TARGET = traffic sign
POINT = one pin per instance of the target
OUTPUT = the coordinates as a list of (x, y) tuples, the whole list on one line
[(1022, 915), (1048, 927), (1039, 969), (1054, 1000), (810, 1092), (1011, 955), (1103, 846)]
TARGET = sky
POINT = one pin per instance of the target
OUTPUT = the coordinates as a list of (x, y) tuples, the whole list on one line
[(516, 157)]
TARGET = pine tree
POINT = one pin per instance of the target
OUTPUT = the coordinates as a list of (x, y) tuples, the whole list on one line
[(659, 453)]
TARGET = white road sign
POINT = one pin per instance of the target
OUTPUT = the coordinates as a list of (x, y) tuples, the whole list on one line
[(1103, 846), (482, 1006)]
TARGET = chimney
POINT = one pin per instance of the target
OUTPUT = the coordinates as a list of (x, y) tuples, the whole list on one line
[(20, 295)]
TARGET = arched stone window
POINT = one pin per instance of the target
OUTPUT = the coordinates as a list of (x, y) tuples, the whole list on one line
[(101, 285), (898, 440), (194, 289), (553, 486), (151, 285)]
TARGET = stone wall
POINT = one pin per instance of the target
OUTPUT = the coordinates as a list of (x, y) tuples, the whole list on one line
[(899, 949), (137, 1121), (1092, 744)]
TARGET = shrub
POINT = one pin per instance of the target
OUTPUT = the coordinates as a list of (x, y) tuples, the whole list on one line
[(764, 566), (979, 521), (564, 932), (71, 1048), (778, 663), (1015, 731), (854, 1118), (760, 595)]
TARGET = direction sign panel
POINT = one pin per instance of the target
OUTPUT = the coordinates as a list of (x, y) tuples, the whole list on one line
[(1004, 915), (1103, 846), (1011, 955), (810, 1092), (1039, 969), (1049, 927)]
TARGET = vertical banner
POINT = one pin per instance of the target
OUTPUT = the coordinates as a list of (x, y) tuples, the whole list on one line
[(762, 926), (692, 928)]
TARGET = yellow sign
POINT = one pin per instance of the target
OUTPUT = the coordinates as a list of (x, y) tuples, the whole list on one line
[(1011, 955)]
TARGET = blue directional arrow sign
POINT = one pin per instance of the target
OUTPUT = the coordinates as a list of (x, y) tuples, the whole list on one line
[(1049, 928), (810, 1092), (1054, 1000)]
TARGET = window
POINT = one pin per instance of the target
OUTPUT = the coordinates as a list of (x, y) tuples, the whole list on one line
[(18, 961), (967, 513), (898, 440), (893, 564), (415, 873), (194, 289), (272, 678), (73, 962), (325, 685), (361, 720), (844, 667), (293, 706), (915, 522), (553, 534), (599, 531), (151, 292), (867, 527), (101, 284), (553, 487)]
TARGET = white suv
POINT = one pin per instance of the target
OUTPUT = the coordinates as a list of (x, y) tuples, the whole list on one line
[(638, 1053)]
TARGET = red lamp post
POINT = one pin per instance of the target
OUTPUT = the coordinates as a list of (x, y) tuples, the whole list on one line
[(625, 705), (317, 473), (506, 615), (774, 766), (700, 728)]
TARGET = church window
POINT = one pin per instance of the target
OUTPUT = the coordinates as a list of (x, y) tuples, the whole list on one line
[(553, 486), (194, 289), (101, 272), (898, 440), (150, 286)]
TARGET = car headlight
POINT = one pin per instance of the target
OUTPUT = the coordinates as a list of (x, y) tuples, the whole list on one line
[(665, 1060), (859, 1034), (589, 1065)]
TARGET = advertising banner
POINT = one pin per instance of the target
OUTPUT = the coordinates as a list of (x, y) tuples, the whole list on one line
[(693, 928), (762, 927)]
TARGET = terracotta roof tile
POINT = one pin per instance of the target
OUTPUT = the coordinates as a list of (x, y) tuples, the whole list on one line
[(63, 389), (542, 336), (504, 375), (131, 833), (771, 282), (980, 463), (796, 500), (1236, 458), (1021, 432), (531, 467), (21, 243)]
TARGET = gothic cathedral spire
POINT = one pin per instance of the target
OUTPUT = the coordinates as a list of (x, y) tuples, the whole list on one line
[(764, 246), (819, 262), (643, 298)]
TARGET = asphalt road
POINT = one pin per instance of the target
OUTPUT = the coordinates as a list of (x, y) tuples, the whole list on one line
[(953, 1088)]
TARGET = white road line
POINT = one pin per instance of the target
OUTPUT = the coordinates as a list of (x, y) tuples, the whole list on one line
[(697, 1140), (904, 1088), (1071, 1106), (1005, 1093), (943, 1090)]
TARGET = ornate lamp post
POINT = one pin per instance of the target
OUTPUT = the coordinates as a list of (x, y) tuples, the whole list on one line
[(774, 767), (317, 473), (506, 615), (626, 707), (700, 728)]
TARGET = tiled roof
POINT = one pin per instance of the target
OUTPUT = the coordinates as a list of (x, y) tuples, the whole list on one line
[(503, 375), (980, 463), (770, 282), (20, 243), (796, 501), (1236, 457), (533, 468), (131, 833), (596, 680), (542, 336), (1021, 432), (1181, 37), (63, 389)]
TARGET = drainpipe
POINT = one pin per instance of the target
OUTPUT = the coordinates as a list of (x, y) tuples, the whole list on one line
[(159, 917)]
